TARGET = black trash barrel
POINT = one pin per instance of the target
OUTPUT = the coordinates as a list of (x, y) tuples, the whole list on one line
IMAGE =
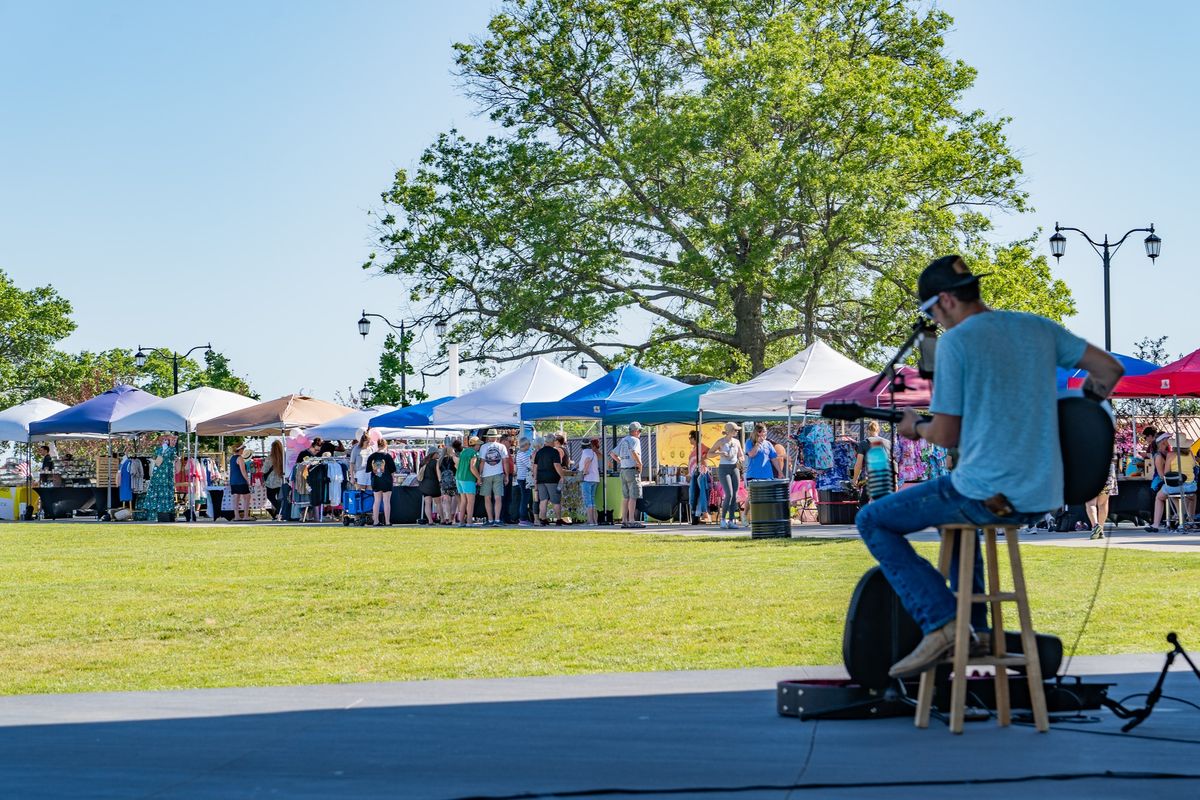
[(770, 514)]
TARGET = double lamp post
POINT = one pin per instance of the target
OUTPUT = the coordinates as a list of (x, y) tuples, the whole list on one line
[(1106, 250), (140, 357), (364, 328)]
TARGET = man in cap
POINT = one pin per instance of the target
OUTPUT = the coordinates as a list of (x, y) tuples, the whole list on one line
[(493, 475), (628, 456), (994, 399)]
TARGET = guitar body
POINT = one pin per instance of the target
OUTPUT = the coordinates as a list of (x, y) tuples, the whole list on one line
[(1085, 437)]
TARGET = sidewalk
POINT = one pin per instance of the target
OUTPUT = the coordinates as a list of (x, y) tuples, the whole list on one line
[(643, 731)]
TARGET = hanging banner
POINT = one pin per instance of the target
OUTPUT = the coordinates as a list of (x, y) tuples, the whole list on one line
[(674, 446)]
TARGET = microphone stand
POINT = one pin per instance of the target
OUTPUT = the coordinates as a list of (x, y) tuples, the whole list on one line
[(1138, 716)]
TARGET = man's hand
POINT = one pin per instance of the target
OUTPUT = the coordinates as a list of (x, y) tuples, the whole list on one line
[(908, 425)]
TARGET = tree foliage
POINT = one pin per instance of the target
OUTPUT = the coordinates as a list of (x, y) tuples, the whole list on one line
[(705, 185), (384, 390), (31, 322)]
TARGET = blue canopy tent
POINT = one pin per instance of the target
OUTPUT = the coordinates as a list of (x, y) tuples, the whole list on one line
[(95, 416), (1133, 366), (624, 387), (414, 416)]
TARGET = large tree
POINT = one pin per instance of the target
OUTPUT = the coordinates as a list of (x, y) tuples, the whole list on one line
[(705, 185), (32, 321)]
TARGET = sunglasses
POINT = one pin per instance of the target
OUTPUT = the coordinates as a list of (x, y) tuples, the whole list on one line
[(926, 308)]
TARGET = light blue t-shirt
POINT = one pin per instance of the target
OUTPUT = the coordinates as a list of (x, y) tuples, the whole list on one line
[(996, 371)]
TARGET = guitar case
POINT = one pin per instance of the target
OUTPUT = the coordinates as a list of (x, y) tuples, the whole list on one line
[(878, 633)]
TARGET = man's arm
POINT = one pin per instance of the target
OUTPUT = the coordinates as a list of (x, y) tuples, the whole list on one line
[(1103, 372)]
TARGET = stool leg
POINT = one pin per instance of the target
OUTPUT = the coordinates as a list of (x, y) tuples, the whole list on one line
[(925, 690), (1033, 665), (999, 648), (962, 628)]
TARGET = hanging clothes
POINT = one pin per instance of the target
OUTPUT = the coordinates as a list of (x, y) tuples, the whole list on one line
[(160, 494), (843, 454), (137, 475), (815, 441), (910, 460), (125, 480), (337, 476)]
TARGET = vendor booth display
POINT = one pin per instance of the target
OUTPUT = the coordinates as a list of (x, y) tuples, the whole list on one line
[(89, 419), (18, 500), (180, 413), (499, 402)]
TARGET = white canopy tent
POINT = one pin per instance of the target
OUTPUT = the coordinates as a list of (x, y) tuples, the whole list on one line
[(353, 424), (812, 372), (499, 403), (14, 422), (181, 413)]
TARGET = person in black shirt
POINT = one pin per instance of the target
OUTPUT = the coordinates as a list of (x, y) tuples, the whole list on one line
[(548, 470), (47, 461), (381, 467)]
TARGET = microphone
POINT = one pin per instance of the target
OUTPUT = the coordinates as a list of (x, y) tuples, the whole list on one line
[(926, 350)]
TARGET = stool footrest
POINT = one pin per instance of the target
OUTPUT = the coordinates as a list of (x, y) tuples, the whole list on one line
[(1004, 597)]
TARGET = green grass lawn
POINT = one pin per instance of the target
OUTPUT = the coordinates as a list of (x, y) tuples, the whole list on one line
[(106, 607)]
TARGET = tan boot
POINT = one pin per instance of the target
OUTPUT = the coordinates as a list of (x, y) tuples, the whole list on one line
[(932, 649)]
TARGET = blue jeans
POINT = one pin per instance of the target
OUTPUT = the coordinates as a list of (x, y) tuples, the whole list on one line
[(698, 493), (883, 525), (522, 501), (588, 489)]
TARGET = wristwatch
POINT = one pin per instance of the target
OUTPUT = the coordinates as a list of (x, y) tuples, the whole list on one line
[(917, 425)]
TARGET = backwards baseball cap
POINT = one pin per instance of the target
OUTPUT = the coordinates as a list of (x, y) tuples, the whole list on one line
[(944, 274)]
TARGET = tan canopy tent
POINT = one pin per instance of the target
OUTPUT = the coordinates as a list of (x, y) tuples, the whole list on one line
[(274, 417)]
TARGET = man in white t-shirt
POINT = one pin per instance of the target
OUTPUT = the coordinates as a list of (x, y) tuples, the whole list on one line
[(628, 456), (493, 475)]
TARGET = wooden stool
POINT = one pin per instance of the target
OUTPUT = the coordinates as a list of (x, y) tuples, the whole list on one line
[(999, 658)]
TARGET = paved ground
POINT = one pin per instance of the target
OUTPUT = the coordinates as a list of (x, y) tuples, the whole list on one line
[(1125, 537), (681, 734)]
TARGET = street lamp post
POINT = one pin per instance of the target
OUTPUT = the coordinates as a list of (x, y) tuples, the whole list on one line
[(139, 359), (364, 328), (1106, 250)]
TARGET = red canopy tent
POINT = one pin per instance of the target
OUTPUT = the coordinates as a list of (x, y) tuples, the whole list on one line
[(1178, 379), (917, 392)]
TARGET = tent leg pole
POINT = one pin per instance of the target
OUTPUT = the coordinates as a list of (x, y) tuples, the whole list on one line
[(108, 478)]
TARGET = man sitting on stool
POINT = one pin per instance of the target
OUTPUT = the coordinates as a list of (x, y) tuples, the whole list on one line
[(994, 398)]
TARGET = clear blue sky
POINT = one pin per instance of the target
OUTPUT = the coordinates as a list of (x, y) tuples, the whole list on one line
[(194, 172)]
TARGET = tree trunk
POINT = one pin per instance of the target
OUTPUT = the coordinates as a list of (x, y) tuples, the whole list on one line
[(752, 339)]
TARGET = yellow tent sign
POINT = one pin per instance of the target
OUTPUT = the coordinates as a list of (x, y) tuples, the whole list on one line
[(674, 447)]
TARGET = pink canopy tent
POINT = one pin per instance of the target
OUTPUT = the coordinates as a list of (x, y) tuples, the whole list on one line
[(1178, 379), (917, 393)]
